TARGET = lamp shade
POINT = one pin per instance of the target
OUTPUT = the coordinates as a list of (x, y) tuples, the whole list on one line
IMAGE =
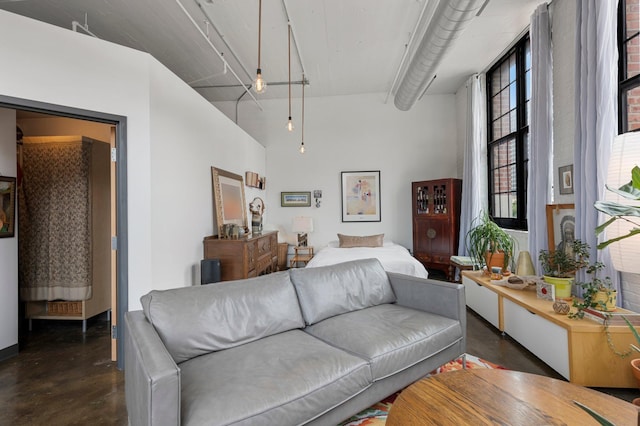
[(302, 224), (625, 154)]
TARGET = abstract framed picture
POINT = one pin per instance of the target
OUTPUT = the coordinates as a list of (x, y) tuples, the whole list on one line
[(295, 199), (561, 224), (565, 179), (361, 196), (7, 206)]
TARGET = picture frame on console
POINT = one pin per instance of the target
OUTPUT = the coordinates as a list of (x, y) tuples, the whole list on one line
[(561, 225), (361, 196), (228, 200)]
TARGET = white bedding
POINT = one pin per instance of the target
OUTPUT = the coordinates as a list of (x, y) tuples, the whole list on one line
[(394, 258)]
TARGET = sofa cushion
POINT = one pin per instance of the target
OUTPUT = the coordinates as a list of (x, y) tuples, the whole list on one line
[(326, 291), (391, 337), (193, 321), (285, 379)]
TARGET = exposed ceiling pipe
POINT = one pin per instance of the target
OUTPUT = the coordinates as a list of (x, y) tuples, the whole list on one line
[(75, 25), (449, 20), (215, 28), (407, 49), (293, 37), (195, 24)]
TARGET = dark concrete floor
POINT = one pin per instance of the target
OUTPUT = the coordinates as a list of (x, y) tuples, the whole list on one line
[(62, 377)]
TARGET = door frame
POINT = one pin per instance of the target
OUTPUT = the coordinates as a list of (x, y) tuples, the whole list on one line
[(122, 252)]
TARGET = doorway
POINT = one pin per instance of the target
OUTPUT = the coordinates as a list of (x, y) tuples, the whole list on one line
[(37, 116)]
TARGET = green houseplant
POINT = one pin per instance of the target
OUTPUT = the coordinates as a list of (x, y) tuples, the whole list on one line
[(559, 267), (619, 211), (486, 242), (597, 293)]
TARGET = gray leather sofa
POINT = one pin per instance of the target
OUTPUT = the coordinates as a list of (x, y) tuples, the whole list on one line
[(304, 346)]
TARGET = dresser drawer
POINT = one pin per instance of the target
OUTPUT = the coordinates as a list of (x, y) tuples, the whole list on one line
[(482, 300)]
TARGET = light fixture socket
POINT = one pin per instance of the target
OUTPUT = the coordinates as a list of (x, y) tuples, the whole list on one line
[(290, 126)]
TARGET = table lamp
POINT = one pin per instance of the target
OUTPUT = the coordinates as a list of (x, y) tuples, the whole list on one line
[(302, 225)]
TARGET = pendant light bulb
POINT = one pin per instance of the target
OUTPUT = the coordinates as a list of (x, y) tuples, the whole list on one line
[(301, 148), (259, 85), (290, 126)]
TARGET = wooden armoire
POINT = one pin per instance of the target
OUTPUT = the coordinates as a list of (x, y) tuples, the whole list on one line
[(436, 221)]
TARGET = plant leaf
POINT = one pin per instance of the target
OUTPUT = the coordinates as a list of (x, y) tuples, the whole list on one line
[(617, 209), (603, 421), (635, 177), (633, 329), (627, 191), (631, 233), (601, 227)]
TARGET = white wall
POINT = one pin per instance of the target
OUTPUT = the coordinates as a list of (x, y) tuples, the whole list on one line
[(351, 133), (173, 136), (8, 246)]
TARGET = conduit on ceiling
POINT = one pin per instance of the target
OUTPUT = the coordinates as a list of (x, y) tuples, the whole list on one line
[(449, 20)]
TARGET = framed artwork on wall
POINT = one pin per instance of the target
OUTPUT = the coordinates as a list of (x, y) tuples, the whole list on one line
[(361, 196), (228, 199), (561, 224), (7, 206), (295, 199), (565, 179)]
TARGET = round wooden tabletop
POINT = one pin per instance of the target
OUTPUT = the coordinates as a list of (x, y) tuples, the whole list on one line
[(489, 397)]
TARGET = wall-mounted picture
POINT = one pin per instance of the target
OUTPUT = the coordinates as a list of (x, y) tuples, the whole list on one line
[(7, 206), (561, 225), (295, 199), (361, 196), (565, 178), (228, 199)]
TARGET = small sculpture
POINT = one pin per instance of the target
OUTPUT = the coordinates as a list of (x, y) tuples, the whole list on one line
[(256, 207)]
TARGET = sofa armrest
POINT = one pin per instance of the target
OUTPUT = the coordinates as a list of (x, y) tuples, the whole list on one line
[(437, 297), (152, 378)]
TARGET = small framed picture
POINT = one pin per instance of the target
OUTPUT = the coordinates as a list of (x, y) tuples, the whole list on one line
[(565, 178), (545, 291), (361, 196), (295, 199)]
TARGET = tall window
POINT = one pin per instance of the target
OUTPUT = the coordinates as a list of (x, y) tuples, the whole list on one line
[(629, 65), (509, 92)]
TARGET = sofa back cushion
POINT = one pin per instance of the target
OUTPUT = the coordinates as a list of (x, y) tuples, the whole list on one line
[(193, 321), (327, 291)]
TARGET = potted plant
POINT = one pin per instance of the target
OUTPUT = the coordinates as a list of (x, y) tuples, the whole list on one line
[(489, 244), (559, 267), (619, 211), (597, 293)]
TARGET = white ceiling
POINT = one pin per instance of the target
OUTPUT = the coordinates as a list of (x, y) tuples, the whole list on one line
[(346, 46)]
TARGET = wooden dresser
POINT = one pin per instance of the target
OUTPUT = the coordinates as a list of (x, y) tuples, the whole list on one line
[(436, 221), (244, 257)]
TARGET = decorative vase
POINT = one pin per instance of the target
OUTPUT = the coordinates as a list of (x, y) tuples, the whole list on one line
[(606, 300), (561, 307), (525, 264), (562, 286)]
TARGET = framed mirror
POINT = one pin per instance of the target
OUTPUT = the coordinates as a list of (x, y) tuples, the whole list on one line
[(228, 199)]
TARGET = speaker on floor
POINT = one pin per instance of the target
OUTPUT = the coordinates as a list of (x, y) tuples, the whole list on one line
[(209, 271)]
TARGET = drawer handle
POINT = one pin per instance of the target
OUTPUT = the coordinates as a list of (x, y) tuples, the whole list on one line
[(532, 313)]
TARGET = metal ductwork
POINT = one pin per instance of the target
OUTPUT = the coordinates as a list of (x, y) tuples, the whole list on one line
[(449, 20)]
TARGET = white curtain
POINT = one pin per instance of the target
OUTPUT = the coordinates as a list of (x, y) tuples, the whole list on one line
[(474, 177), (596, 118), (539, 190)]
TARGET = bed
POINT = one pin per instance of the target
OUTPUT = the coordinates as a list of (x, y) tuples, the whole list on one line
[(394, 257)]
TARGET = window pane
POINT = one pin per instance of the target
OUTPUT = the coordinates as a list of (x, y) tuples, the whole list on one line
[(513, 121), (504, 70), (495, 83), (633, 108), (495, 107), (526, 147), (497, 129), (633, 56), (527, 85), (527, 55), (513, 204), (512, 152), (512, 96), (527, 113), (512, 68), (504, 100)]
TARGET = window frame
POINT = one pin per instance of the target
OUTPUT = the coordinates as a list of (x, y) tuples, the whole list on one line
[(624, 84), (520, 134)]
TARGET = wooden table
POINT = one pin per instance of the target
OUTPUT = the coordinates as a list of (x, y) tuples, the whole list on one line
[(302, 254), (487, 397)]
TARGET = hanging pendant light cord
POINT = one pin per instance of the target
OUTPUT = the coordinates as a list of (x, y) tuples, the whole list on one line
[(259, 29), (302, 108), (290, 72)]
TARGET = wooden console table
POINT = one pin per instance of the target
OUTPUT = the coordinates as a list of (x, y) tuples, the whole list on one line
[(245, 257), (575, 348), (488, 397)]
